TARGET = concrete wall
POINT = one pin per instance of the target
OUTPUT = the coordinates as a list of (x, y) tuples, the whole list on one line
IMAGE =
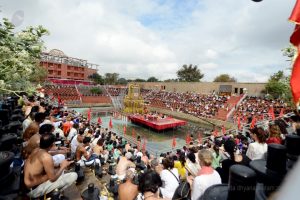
[(254, 89)]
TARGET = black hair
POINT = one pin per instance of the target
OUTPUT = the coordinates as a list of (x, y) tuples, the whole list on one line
[(230, 147), (35, 109), (47, 140), (86, 140), (39, 117), (168, 163), (191, 156), (81, 131), (149, 182), (46, 129)]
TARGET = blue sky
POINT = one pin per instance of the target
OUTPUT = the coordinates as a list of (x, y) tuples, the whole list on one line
[(144, 38)]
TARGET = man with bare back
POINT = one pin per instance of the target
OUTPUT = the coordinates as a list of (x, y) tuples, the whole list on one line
[(40, 176), (123, 165)]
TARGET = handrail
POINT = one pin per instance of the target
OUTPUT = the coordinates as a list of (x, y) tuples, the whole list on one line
[(236, 105)]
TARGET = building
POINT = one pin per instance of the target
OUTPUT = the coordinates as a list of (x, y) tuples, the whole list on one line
[(227, 88), (62, 68)]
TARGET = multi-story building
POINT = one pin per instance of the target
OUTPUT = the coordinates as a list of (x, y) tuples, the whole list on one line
[(63, 68)]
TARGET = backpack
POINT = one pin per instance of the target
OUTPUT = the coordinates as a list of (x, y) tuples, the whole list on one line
[(183, 191)]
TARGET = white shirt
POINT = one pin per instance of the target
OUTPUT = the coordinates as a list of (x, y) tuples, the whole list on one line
[(170, 183), (74, 144), (202, 182), (26, 123), (257, 150), (72, 133)]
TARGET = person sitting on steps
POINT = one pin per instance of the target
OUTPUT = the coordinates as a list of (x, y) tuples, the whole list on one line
[(40, 176)]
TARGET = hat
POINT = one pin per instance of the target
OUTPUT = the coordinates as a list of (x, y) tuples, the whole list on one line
[(128, 155)]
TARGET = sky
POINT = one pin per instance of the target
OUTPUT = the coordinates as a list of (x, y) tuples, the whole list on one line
[(144, 38)]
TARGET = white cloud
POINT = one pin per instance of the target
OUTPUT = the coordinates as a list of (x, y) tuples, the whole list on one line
[(143, 38)]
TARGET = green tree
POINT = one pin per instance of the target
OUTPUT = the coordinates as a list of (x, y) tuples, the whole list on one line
[(278, 86), (96, 78), (224, 78), (171, 80), (152, 79), (122, 81), (139, 80), (96, 90), (189, 73), (19, 58), (111, 78)]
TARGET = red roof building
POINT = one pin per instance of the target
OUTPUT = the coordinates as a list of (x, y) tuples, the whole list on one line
[(62, 67)]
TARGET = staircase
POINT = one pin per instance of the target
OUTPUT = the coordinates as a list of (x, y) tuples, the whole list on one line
[(231, 103), (117, 101)]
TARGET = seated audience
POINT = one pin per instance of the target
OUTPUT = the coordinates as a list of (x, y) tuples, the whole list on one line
[(40, 176)]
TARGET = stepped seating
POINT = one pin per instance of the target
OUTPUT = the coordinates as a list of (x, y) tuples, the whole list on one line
[(223, 112)]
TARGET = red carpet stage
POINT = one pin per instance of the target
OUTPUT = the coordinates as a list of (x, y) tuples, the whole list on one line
[(155, 123)]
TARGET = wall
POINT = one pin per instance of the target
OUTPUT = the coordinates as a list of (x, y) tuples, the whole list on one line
[(254, 89)]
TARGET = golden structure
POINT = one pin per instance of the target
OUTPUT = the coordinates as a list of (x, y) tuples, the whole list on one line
[(133, 101)]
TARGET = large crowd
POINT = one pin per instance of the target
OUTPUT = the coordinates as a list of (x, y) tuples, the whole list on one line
[(54, 138), (195, 104)]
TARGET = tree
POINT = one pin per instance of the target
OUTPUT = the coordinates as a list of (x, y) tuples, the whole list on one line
[(189, 73), (224, 78), (152, 79), (111, 78), (96, 78), (19, 58), (171, 80), (96, 90), (122, 81), (139, 80), (278, 86)]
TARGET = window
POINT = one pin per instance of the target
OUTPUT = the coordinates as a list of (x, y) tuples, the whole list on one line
[(59, 66), (68, 73), (236, 90), (59, 73), (50, 71)]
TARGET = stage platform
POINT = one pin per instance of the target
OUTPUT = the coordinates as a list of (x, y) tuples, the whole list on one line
[(157, 124)]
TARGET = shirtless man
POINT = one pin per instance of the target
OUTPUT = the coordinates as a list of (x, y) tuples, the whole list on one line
[(84, 154), (128, 190), (34, 143), (123, 164), (99, 150), (39, 173)]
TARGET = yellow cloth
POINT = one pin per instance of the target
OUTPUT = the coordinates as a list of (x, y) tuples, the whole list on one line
[(181, 169)]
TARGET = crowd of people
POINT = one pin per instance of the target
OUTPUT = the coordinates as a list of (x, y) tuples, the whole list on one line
[(199, 105), (54, 138), (259, 107)]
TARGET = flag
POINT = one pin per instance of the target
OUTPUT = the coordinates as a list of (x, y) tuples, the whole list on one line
[(89, 114), (124, 130), (188, 139), (216, 133), (295, 40), (174, 142), (110, 124), (271, 113), (199, 138), (223, 130), (144, 145), (281, 112), (253, 122), (99, 120)]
